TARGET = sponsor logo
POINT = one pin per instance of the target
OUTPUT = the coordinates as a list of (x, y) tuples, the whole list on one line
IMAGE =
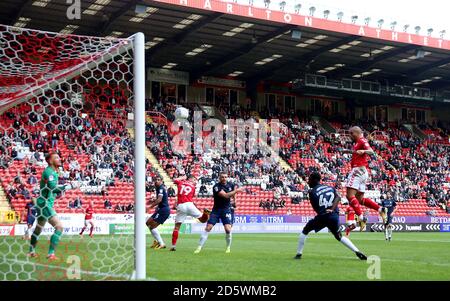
[(445, 227), (413, 228), (419, 227)]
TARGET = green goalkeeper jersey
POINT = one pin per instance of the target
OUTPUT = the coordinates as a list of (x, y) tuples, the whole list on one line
[(49, 188)]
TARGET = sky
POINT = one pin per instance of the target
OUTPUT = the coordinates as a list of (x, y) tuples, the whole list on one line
[(427, 14)]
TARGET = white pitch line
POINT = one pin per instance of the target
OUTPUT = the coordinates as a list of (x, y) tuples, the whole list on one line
[(126, 276)]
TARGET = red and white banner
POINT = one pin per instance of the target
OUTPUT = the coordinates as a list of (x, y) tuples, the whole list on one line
[(6, 230), (312, 22)]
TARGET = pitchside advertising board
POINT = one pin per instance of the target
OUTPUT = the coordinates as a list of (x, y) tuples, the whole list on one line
[(409, 227), (123, 224)]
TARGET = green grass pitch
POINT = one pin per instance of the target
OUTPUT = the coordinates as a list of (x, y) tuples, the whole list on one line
[(410, 256)]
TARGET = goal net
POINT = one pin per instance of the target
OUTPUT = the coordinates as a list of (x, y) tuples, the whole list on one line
[(71, 144)]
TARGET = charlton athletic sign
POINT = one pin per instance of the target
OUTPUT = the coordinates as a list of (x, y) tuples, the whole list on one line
[(312, 22)]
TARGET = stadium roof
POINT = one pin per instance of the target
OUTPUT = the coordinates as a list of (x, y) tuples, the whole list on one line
[(212, 37)]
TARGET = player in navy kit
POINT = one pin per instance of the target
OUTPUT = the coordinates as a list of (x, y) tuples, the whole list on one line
[(223, 192), (161, 214), (31, 213), (391, 205), (324, 200)]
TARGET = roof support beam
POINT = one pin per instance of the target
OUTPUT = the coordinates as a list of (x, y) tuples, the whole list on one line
[(182, 36), (18, 12), (417, 72), (364, 65), (242, 51), (107, 25), (305, 59)]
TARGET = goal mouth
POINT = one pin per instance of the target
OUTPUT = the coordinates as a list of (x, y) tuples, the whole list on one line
[(34, 59), (72, 149)]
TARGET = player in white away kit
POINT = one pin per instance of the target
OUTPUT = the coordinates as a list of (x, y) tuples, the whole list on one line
[(185, 206), (358, 177)]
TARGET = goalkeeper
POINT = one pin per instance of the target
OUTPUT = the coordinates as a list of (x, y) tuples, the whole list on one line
[(44, 206)]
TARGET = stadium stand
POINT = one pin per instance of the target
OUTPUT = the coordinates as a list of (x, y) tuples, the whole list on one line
[(95, 156)]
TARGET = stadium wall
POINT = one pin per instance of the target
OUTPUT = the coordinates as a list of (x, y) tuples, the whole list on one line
[(440, 113)]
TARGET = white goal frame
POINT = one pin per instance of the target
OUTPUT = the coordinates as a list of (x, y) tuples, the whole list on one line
[(139, 156)]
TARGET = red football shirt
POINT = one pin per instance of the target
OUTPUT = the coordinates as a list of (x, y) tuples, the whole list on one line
[(360, 160), (186, 191), (89, 212)]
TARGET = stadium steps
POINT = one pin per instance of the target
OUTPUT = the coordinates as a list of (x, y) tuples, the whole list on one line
[(4, 204), (419, 133), (416, 131), (155, 164), (325, 125)]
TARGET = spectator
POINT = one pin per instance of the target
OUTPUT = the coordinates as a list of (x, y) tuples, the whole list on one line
[(24, 192), (130, 207), (32, 180), (119, 208), (171, 192), (203, 190), (74, 165), (107, 204), (18, 178), (4, 161), (12, 191), (78, 204), (55, 139)]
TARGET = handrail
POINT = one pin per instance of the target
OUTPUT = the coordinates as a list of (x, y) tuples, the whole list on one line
[(376, 133), (158, 115)]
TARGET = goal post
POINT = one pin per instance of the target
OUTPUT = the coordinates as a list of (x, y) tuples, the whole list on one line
[(139, 117), (77, 96)]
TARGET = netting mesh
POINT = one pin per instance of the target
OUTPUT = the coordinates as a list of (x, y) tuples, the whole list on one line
[(65, 145)]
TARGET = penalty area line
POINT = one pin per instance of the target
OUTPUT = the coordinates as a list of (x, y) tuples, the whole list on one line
[(125, 276)]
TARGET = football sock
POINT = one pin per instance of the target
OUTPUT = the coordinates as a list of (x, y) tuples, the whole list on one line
[(386, 233), (174, 237), (33, 242), (82, 230), (346, 242), (371, 204), (228, 238), (92, 230), (301, 243), (157, 236), (347, 231), (203, 239), (390, 231), (54, 241), (354, 203), (27, 232)]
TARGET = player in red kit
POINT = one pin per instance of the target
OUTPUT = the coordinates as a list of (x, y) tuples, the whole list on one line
[(185, 206), (358, 177), (88, 212), (350, 220)]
